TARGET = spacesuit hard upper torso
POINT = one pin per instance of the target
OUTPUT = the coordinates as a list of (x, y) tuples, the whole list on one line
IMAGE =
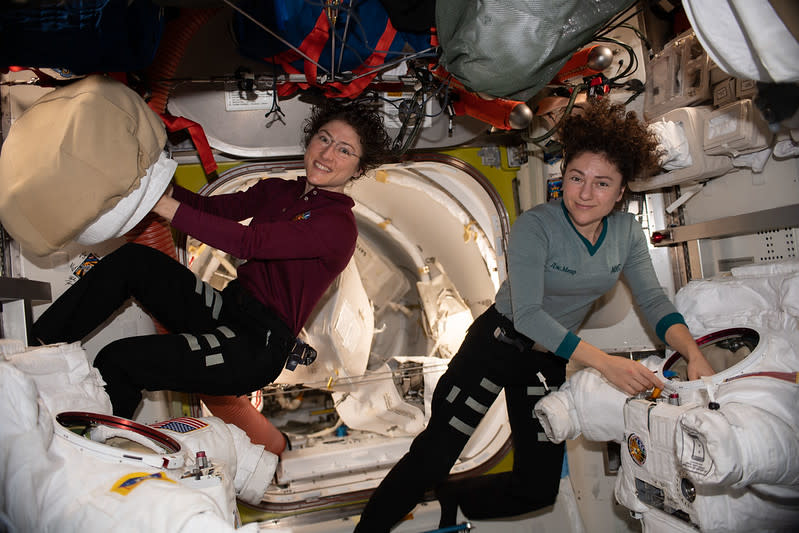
[(721, 453), (113, 474)]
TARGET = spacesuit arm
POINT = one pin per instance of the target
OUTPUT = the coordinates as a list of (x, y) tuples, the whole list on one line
[(255, 467), (736, 446), (557, 415), (586, 404)]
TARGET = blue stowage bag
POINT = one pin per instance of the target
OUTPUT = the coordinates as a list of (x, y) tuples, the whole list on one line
[(293, 20)]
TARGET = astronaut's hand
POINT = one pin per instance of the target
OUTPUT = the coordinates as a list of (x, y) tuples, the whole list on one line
[(631, 377), (166, 206), (679, 338), (698, 367)]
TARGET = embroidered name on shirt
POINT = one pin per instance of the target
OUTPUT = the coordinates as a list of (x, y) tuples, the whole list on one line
[(303, 216), (615, 269), (561, 268)]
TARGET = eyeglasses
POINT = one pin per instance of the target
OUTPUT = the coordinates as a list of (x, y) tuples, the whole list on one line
[(341, 150)]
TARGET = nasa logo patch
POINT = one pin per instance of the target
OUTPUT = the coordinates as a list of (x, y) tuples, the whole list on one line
[(127, 483), (636, 448)]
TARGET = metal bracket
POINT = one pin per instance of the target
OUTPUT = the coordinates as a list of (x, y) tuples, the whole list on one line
[(16, 295), (769, 219)]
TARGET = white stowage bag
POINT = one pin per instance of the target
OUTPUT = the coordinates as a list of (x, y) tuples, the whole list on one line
[(378, 405), (52, 483), (673, 143)]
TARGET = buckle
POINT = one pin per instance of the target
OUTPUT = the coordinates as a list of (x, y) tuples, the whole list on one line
[(300, 354), (502, 336)]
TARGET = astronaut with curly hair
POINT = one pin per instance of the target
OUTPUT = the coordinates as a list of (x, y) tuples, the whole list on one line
[(562, 256), (231, 342)]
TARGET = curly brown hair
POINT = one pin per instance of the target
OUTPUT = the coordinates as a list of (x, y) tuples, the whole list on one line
[(610, 130), (364, 119)]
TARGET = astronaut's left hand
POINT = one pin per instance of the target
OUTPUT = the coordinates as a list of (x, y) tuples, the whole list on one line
[(698, 367)]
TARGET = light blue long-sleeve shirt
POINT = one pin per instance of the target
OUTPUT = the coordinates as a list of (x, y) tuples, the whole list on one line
[(555, 275)]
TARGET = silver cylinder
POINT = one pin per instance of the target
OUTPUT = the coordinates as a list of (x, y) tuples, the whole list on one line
[(599, 58), (520, 117)]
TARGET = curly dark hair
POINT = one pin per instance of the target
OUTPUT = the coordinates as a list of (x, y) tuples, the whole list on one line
[(608, 129), (364, 119)]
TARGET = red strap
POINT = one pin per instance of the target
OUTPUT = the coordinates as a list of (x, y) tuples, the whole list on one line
[(312, 46), (197, 136), (356, 87)]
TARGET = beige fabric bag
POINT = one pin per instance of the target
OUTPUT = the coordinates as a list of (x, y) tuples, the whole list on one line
[(72, 156)]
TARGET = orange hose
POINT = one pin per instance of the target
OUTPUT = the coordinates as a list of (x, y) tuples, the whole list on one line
[(239, 411), (176, 37), (154, 231)]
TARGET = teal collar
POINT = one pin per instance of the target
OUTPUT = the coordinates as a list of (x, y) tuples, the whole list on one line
[(592, 248)]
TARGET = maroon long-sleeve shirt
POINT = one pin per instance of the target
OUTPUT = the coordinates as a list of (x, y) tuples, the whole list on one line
[(294, 247)]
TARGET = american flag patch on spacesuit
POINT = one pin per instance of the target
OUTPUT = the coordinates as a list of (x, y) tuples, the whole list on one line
[(183, 424)]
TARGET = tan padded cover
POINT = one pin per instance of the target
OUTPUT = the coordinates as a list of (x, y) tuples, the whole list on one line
[(73, 155)]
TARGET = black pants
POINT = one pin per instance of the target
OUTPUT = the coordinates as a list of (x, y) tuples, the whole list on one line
[(220, 343), (477, 373)]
